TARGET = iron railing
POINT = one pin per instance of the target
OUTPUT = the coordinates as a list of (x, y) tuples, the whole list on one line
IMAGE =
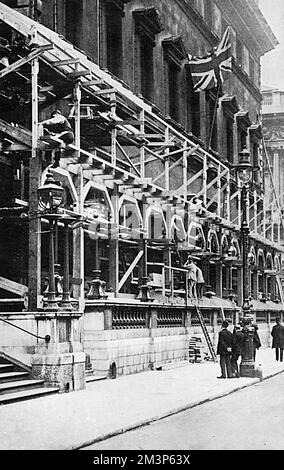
[(47, 338)]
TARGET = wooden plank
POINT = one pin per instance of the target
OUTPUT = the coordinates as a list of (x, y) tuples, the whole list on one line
[(79, 73), (106, 91), (16, 65), (16, 133), (12, 286), (130, 269), (60, 63)]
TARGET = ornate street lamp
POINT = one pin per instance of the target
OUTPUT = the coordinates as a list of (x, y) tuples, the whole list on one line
[(244, 173), (50, 198)]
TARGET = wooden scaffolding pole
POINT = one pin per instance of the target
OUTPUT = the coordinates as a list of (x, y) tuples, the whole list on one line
[(34, 269), (78, 234)]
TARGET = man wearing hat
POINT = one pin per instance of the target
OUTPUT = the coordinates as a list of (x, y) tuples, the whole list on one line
[(192, 276), (237, 351), (277, 334), (224, 350)]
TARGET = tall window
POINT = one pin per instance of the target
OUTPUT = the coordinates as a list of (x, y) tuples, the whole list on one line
[(230, 139), (147, 26), (193, 107), (230, 108), (174, 53), (173, 81), (147, 75), (211, 112), (73, 18), (243, 123), (114, 38)]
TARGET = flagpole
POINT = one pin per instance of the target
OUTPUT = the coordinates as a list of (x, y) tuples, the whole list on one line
[(214, 115)]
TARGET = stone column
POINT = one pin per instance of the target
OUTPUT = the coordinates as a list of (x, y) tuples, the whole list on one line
[(61, 362)]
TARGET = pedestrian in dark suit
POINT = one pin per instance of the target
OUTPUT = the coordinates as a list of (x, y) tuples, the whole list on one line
[(256, 340), (237, 349), (224, 350), (277, 334)]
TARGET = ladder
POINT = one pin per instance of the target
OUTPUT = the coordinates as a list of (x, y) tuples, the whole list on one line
[(206, 334)]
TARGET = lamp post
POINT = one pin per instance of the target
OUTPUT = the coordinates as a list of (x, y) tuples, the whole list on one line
[(50, 198), (66, 303), (244, 173)]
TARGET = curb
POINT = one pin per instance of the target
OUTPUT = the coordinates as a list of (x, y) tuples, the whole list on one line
[(173, 412)]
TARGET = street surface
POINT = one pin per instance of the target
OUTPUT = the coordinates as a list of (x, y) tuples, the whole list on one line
[(250, 419)]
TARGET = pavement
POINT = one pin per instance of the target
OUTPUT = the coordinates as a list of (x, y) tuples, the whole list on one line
[(110, 407)]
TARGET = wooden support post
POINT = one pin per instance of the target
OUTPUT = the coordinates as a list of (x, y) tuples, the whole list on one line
[(113, 130), (34, 272), (228, 197), (184, 170), (114, 245), (142, 148), (77, 99), (219, 194), (255, 210), (204, 176), (264, 218), (167, 161)]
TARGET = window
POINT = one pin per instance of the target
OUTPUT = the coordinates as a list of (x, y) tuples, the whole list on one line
[(173, 81), (146, 64), (193, 107), (174, 54), (230, 108), (73, 18), (267, 100), (147, 26), (114, 39), (243, 123), (211, 113), (230, 139)]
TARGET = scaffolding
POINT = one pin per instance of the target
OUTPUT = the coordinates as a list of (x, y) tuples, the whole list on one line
[(137, 155)]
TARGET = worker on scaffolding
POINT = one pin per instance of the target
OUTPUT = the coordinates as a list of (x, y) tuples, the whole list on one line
[(58, 127)]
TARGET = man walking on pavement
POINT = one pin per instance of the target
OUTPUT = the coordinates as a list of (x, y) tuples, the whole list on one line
[(277, 334), (224, 350)]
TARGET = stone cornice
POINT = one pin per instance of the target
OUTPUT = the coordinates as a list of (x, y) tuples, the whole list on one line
[(147, 22), (250, 25), (198, 21), (175, 49)]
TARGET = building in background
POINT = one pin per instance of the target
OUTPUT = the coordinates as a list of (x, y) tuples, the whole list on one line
[(273, 135), (149, 179)]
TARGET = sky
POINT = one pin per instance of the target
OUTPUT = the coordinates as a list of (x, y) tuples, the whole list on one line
[(273, 62)]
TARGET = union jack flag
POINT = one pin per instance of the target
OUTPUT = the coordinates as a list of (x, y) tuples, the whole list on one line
[(208, 72)]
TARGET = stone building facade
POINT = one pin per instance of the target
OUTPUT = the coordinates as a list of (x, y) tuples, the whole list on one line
[(149, 178)]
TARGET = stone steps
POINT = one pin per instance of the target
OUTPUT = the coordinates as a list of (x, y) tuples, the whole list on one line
[(16, 384), (27, 394)]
